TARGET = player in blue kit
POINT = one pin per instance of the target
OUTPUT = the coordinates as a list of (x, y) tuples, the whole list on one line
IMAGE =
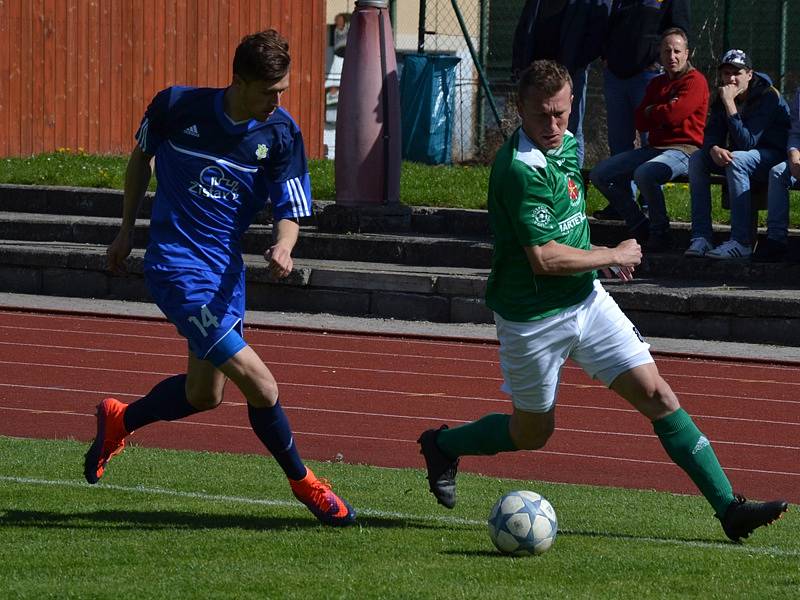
[(220, 154)]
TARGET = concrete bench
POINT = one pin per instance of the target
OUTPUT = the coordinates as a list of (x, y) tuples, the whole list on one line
[(758, 195)]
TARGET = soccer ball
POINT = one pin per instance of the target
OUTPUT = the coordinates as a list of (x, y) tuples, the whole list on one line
[(523, 523)]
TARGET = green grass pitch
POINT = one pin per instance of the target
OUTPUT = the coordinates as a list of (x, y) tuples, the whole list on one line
[(210, 525)]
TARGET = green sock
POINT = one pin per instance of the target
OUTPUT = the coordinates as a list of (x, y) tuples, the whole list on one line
[(692, 452), (488, 435)]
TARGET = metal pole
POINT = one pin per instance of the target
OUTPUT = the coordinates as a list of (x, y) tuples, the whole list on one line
[(421, 27), (476, 61), (782, 48), (393, 17), (483, 50)]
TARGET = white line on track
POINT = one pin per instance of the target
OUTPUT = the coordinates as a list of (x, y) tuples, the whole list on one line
[(381, 514), (385, 439), (174, 338), (162, 323), (445, 375), (382, 391), (562, 405)]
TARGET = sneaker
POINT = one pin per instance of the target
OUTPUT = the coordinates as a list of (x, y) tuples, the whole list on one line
[(317, 495), (769, 251), (659, 242), (743, 517), (729, 250), (698, 247), (109, 440), (441, 468), (609, 213)]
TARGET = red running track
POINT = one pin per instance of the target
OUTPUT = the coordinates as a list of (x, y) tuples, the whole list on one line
[(367, 398)]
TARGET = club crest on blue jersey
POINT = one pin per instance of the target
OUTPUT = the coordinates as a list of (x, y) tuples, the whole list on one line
[(214, 184), (262, 151)]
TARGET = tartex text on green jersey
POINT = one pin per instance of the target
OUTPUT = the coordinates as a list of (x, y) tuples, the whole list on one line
[(535, 197)]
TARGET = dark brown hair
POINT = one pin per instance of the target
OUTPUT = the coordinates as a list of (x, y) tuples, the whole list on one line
[(545, 77), (262, 56), (675, 31)]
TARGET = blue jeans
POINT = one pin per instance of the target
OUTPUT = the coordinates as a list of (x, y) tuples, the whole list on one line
[(622, 98), (650, 168), (575, 124), (747, 164), (780, 180)]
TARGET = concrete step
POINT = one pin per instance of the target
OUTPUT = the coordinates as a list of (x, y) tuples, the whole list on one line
[(410, 249), (750, 313), (440, 250)]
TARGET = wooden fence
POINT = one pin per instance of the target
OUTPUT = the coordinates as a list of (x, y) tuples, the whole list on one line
[(80, 73)]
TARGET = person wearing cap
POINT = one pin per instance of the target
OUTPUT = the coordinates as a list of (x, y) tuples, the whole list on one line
[(782, 176), (673, 112), (745, 137)]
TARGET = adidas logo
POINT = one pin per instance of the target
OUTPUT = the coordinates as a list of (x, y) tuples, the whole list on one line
[(701, 443), (192, 131)]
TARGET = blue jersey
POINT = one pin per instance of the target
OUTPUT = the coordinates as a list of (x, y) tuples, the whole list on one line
[(214, 175)]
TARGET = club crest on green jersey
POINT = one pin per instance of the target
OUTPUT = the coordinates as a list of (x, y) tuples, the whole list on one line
[(541, 216)]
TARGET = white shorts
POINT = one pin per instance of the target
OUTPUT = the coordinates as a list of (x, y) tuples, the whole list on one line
[(595, 333)]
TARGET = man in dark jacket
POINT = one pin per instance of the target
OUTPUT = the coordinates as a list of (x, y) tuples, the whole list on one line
[(570, 32), (630, 55), (745, 137)]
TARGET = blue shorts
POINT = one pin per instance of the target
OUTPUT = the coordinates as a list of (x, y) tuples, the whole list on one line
[(206, 308)]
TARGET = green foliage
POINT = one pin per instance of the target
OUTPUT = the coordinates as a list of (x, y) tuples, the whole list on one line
[(197, 524), (456, 186)]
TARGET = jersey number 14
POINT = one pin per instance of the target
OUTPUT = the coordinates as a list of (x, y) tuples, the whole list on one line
[(205, 321)]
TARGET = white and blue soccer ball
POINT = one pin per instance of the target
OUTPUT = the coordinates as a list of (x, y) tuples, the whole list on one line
[(523, 523)]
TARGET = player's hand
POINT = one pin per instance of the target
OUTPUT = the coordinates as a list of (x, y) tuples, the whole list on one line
[(627, 255), (722, 157), (794, 169), (118, 252), (280, 261)]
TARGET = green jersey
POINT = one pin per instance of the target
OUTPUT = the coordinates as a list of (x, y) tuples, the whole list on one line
[(535, 197)]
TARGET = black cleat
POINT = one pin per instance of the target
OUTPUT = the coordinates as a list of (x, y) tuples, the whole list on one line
[(441, 469), (743, 517)]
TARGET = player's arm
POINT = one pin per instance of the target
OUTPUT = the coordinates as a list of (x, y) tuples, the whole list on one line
[(553, 258), (137, 179), (279, 255)]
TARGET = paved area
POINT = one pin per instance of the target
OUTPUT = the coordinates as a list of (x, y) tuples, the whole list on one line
[(394, 326)]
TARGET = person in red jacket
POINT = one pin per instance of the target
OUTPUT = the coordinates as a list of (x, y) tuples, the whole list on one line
[(673, 113)]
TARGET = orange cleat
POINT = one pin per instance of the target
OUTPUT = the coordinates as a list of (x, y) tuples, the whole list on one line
[(317, 495), (109, 441)]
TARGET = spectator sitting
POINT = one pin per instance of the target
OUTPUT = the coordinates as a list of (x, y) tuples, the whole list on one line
[(745, 137), (781, 177), (673, 112), (570, 33), (630, 57)]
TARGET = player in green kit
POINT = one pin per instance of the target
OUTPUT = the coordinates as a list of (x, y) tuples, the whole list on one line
[(549, 306)]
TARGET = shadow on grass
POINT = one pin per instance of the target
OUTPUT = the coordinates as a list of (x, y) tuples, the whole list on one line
[(157, 520), (618, 536)]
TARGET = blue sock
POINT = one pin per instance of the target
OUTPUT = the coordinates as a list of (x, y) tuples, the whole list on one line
[(165, 402), (272, 428)]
